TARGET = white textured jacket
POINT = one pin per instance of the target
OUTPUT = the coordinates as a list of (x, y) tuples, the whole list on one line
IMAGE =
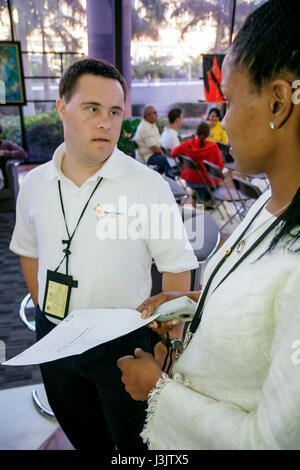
[(237, 385)]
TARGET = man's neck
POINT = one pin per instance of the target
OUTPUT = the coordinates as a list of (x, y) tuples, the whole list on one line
[(78, 172), (151, 123), (173, 126)]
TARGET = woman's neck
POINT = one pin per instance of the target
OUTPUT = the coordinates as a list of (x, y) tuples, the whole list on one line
[(283, 187)]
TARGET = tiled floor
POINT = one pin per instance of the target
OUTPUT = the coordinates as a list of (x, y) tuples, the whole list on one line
[(13, 334), (21, 426)]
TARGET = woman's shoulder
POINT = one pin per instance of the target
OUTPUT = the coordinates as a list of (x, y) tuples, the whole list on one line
[(209, 144), (188, 143)]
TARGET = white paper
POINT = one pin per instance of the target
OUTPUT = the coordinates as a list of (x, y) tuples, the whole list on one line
[(79, 331)]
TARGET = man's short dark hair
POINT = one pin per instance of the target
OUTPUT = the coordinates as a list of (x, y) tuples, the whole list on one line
[(88, 66), (174, 114)]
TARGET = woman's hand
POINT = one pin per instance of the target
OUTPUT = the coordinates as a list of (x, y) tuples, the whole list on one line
[(140, 373), (147, 308)]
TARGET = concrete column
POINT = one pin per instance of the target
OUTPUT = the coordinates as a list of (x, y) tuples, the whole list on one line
[(109, 36), (101, 29), (123, 43)]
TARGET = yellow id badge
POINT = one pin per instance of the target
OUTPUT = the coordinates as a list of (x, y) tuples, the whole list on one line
[(57, 294)]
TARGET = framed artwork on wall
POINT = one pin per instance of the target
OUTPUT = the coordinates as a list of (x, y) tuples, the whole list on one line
[(12, 89)]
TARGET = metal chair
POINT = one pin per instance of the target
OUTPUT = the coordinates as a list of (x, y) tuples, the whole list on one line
[(204, 236), (188, 163), (247, 189), (174, 171), (225, 150), (26, 314), (260, 176), (224, 193), (177, 190)]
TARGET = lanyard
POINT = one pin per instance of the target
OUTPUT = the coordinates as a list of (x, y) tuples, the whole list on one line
[(69, 241), (199, 312)]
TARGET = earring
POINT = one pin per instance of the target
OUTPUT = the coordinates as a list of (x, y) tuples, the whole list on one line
[(272, 125)]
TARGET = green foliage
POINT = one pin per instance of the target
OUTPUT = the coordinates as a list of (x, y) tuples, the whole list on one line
[(129, 127), (44, 133), (12, 129)]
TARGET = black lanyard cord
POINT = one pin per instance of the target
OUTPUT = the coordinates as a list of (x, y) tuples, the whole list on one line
[(198, 314), (69, 241)]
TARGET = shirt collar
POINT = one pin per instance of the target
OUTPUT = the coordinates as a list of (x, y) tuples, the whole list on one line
[(146, 123), (113, 168)]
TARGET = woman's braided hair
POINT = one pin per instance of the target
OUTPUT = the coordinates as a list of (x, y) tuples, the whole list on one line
[(202, 132), (268, 44)]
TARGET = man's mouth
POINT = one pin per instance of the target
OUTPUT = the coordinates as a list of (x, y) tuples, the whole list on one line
[(101, 139)]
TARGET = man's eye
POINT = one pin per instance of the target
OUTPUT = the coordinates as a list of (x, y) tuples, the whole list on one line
[(93, 109), (115, 113)]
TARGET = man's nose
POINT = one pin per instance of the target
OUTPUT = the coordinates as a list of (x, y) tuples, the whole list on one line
[(104, 121)]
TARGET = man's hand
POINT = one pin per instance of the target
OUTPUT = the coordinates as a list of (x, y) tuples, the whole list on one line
[(139, 374), (156, 149)]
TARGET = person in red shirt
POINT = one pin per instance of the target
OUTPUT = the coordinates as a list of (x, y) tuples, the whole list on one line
[(200, 149)]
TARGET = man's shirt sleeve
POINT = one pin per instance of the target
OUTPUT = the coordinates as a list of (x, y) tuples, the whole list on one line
[(24, 242)]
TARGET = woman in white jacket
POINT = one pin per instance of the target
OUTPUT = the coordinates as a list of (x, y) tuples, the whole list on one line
[(237, 383)]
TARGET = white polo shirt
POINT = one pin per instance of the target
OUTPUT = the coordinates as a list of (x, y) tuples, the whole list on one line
[(147, 135), (112, 271), (169, 139)]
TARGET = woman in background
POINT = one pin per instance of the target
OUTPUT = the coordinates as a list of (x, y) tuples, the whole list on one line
[(200, 149), (237, 384), (217, 134)]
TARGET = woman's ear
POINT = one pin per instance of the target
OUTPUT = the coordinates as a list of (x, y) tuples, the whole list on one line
[(281, 102)]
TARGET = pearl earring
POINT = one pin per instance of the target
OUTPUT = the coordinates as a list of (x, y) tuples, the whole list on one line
[(272, 125)]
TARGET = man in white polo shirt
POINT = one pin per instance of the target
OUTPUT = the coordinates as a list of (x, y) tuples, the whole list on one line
[(169, 138), (147, 138), (73, 257)]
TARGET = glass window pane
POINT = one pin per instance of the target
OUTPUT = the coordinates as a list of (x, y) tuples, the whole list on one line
[(243, 9), (42, 89), (4, 22), (43, 64), (58, 25), (167, 47)]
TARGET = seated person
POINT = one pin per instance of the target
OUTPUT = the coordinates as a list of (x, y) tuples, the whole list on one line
[(169, 138), (199, 149), (217, 134), (9, 151), (147, 138)]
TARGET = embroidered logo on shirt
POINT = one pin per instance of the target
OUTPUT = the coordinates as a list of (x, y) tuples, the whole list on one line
[(105, 210)]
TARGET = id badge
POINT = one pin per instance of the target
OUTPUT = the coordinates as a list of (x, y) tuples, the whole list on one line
[(57, 294)]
